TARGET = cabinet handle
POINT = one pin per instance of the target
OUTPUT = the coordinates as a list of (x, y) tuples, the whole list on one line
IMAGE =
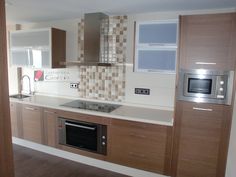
[(49, 112), (204, 63), (32, 109), (138, 136), (202, 109), (137, 155)]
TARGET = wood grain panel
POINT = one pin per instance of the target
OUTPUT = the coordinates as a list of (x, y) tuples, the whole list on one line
[(58, 48), (14, 116), (32, 123), (140, 145), (50, 127), (209, 39), (84, 117), (6, 157), (198, 140)]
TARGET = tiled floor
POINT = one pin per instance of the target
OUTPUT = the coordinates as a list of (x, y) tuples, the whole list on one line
[(31, 163)]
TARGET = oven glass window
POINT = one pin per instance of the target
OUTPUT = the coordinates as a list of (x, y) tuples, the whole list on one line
[(81, 135), (202, 86)]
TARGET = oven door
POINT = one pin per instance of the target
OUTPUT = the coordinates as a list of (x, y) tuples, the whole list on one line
[(200, 86), (82, 135)]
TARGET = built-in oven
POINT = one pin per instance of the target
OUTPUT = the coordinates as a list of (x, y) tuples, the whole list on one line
[(83, 135), (206, 86)]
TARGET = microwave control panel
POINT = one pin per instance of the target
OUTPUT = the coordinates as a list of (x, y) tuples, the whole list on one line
[(221, 86)]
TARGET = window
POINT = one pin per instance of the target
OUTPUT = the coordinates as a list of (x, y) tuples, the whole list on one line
[(156, 46)]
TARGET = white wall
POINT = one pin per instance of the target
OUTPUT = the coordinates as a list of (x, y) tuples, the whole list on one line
[(12, 71), (231, 161)]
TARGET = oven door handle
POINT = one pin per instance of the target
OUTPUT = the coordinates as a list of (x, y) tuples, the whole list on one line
[(80, 126)]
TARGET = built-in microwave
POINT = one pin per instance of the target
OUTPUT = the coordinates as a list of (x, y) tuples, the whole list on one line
[(83, 135), (206, 86)]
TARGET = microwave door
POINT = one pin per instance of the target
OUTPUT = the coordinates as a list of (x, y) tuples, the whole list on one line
[(201, 86)]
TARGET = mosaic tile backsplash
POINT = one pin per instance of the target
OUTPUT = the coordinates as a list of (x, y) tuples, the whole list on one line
[(103, 83), (100, 82)]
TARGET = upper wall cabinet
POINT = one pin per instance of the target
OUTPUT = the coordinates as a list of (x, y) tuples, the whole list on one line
[(208, 41), (155, 46), (38, 48)]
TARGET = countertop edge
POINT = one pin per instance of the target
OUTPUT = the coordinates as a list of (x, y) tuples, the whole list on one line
[(108, 115)]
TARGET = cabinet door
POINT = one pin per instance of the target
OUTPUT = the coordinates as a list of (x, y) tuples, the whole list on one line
[(208, 41), (140, 145), (20, 57), (38, 48), (200, 140), (50, 127), (40, 58), (30, 38), (16, 120), (32, 123)]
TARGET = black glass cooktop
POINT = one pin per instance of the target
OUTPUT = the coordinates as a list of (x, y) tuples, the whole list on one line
[(94, 106)]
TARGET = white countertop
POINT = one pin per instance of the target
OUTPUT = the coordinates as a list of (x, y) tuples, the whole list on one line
[(140, 114)]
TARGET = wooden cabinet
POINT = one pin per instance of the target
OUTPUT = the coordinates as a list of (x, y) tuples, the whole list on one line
[(16, 119), (32, 121), (38, 48), (140, 145), (50, 126), (208, 41), (201, 139)]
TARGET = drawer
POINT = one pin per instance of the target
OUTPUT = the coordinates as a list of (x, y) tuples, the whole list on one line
[(134, 158), (138, 125), (140, 145), (139, 140), (187, 168)]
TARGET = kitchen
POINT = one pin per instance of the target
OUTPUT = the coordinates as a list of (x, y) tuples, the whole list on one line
[(162, 96)]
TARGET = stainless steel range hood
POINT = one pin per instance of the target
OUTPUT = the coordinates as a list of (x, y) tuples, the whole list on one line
[(92, 41), (92, 38)]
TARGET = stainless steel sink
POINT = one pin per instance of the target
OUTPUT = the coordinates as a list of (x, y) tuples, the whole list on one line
[(19, 96)]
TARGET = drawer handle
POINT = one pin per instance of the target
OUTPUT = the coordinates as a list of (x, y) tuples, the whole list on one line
[(49, 112), (31, 109), (137, 155), (138, 136), (202, 109), (204, 63)]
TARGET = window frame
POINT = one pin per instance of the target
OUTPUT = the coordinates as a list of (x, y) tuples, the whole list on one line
[(154, 46)]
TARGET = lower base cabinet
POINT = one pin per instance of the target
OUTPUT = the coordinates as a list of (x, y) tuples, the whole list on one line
[(50, 127), (32, 122), (140, 145), (201, 139), (16, 119)]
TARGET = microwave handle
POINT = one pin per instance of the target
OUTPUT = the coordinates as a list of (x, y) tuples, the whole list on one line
[(202, 109), (80, 126)]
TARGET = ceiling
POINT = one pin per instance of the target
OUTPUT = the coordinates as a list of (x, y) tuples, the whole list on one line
[(23, 11)]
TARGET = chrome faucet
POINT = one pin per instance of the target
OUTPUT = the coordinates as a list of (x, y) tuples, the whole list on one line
[(30, 92)]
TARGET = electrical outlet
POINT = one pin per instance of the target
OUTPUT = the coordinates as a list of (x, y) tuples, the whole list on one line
[(74, 85), (142, 91)]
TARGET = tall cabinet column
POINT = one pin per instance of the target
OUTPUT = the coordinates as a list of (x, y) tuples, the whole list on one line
[(202, 130)]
